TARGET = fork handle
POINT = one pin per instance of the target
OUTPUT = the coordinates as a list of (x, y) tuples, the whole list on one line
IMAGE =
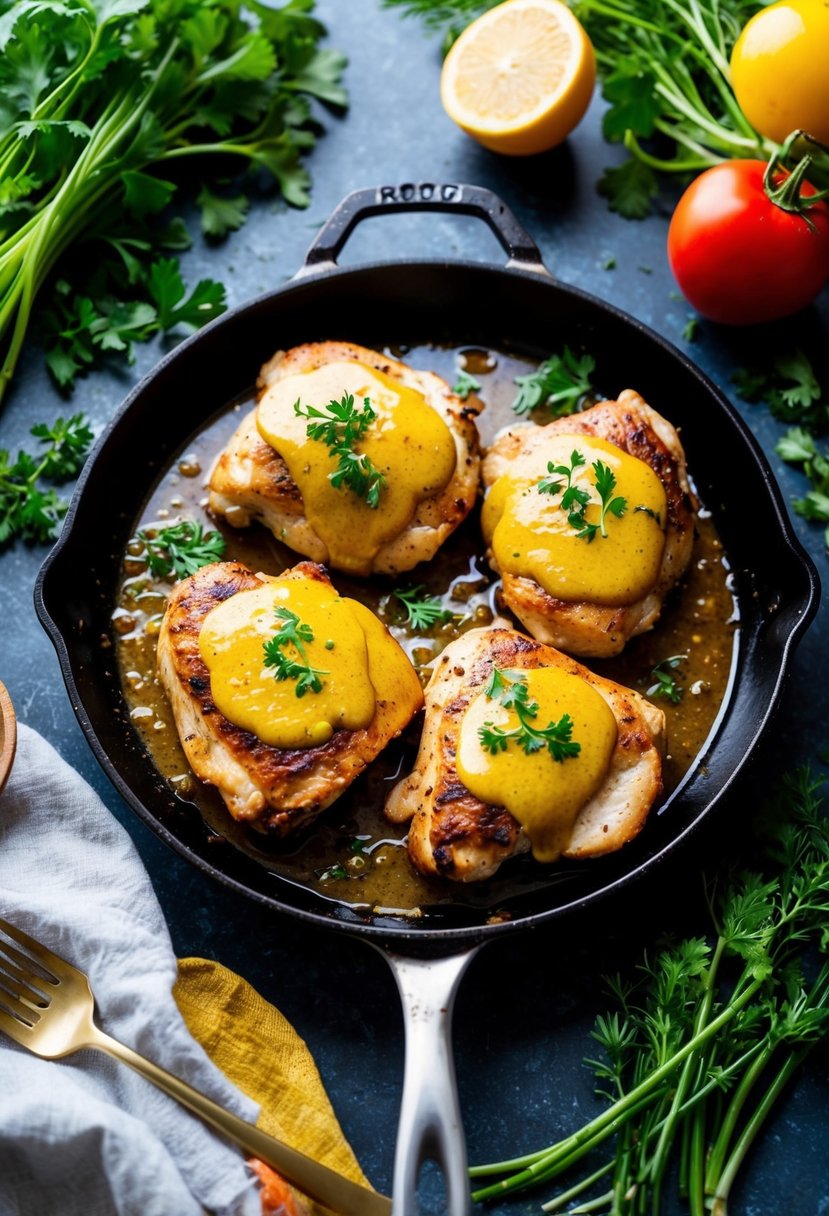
[(317, 1181)]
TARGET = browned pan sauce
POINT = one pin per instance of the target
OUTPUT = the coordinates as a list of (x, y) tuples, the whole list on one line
[(353, 854)]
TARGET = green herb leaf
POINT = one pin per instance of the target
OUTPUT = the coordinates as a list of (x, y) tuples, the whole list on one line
[(98, 103), (664, 681), (340, 425), (221, 214), (294, 633), (465, 384), (422, 611), (629, 188), (560, 384), (634, 103), (509, 689), (575, 499), (27, 510), (181, 549)]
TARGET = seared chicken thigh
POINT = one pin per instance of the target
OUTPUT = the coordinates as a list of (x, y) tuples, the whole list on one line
[(252, 481), (576, 623), (276, 789), (456, 835)]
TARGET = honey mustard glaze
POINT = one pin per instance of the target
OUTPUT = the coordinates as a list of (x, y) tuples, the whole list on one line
[(312, 627), (543, 793), (550, 525), (407, 442)]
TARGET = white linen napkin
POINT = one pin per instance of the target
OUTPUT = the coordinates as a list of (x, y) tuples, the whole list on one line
[(87, 1136)]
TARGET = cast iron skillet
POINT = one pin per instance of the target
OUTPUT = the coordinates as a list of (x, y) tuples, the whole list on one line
[(518, 306)]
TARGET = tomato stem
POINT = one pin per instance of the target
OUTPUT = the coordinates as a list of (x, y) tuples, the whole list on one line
[(787, 193)]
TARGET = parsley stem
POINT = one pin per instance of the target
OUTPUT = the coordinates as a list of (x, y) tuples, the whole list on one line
[(604, 1125), (564, 1197), (729, 1173), (689, 165), (659, 1162)]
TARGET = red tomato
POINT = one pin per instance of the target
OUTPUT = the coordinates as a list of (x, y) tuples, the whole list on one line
[(739, 258)]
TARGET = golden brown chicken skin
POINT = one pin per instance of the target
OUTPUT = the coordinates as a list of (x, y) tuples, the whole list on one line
[(455, 835), (275, 789), (251, 481), (581, 627)]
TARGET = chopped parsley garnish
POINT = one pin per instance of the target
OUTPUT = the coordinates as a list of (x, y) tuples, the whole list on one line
[(422, 611), (560, 384), (26, 509), (575, 500), (509, 689), (340, 425), (464, 385), (294, 633), (181, 549), (665, 684)]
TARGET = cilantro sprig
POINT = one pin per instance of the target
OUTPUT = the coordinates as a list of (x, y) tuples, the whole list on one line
[(181, 549), (560, 384), (509, 689), (340, 425), (99, 103), (575, 499), (29, 510), (422, 611), (294, 633)]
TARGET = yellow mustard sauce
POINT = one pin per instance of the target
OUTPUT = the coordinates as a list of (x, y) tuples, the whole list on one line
[(533, 536), (232, 641), (408, 442), (544, 794)]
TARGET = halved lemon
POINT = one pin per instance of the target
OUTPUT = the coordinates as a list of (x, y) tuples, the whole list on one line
[(520, 78)]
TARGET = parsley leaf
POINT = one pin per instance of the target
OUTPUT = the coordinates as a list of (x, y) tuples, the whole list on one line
[(664, 681), (629, 188), (464, 385), (560, 384), (509, 689), (575, 499), (339, 425), (294, 633), (221, 214), (422, 611), (181, 548), (634, 103), (27, 510)]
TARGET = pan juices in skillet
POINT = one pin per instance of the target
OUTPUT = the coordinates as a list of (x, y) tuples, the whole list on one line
[(590, 521), (282, 691), (524, 748), (351, 458)]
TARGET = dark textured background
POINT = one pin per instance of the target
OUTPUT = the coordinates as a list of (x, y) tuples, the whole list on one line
[(524, 1012)]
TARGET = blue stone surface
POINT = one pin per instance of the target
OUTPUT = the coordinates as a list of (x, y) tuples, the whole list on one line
[(525, 1008)]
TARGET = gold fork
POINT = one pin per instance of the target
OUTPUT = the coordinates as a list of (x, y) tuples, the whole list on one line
[(47, 1005)]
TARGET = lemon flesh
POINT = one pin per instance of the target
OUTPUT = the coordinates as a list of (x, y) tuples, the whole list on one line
[(520, 78)]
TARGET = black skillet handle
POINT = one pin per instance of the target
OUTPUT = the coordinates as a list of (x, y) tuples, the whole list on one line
[(522, 252)]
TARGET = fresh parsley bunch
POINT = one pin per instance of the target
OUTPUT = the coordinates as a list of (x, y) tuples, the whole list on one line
[(100, 101), (705, 1035)]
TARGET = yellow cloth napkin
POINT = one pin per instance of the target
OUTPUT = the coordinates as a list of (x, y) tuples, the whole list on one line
[(259, 1050)]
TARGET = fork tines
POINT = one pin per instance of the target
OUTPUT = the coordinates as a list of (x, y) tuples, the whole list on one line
[(24, 981)]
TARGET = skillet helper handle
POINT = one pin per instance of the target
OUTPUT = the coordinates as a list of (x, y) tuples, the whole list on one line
[(430, 1119), (522, 251), (317, 1181)]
